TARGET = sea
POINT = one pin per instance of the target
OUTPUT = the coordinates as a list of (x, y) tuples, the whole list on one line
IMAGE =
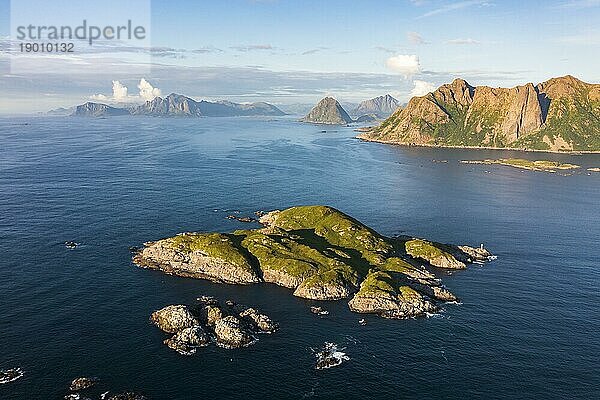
[(527, 325)]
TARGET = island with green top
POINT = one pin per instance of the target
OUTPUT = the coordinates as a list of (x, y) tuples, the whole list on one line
[(321, 254), (537, 165)]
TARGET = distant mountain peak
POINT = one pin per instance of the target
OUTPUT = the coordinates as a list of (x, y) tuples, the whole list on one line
[(381, 106), (92, 109), (328, 111)]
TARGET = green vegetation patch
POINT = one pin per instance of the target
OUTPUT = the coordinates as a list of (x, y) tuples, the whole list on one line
[(376, 283), (419, 248), (337, 228), (533, 165), (217, 245)]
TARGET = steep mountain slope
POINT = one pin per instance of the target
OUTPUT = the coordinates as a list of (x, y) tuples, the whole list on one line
[(561, 114), (173, 104), (328, 111)]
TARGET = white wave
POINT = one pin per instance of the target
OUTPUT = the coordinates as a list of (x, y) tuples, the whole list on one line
[(10, 375), (330, 356)]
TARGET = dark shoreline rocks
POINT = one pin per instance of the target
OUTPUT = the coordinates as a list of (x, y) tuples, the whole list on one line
[(229, 326), (330, 356), (322, 254), (82, 383), (84, 388)]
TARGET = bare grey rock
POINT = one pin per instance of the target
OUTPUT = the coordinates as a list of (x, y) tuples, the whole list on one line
[(172, 319), (82, 383), (230, 333), (187, 340)]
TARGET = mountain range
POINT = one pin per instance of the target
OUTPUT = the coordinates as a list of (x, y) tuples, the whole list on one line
[(561, 114), (179, 105)]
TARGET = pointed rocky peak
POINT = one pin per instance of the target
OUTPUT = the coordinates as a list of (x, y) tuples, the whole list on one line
[(562, 86), (328, 111), (459, 82), (459, 92)]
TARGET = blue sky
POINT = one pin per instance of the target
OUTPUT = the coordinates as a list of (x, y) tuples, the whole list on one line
[(287, 51)]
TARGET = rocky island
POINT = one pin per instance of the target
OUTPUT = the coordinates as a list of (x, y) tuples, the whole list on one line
[(229, 326), (321, 254), (537, 165), (561, 114), (329, 112)]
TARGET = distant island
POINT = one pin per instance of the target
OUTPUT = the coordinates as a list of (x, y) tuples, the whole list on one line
[(537, 165), (179, 106), (329, 111), (561, 114), (321, 254)]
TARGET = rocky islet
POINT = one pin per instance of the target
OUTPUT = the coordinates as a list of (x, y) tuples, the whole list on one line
[(321, 254), (229, 326)]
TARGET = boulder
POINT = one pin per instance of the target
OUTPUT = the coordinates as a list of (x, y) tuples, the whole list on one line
[(82, 383), (261, 321), (172, 319), (230, 333)]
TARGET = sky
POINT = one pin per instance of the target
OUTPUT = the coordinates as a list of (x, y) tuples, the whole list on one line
[(290, 52)]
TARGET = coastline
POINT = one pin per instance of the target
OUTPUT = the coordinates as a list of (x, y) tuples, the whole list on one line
[(568, 152)]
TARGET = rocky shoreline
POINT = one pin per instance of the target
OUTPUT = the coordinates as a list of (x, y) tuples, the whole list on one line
[(365, 138), (229, 326), (322, 254)]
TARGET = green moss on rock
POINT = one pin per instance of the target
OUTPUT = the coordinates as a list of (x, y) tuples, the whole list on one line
[(432, 253), (218, 245)]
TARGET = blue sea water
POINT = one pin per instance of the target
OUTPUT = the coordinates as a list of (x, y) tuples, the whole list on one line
[(528, 325)]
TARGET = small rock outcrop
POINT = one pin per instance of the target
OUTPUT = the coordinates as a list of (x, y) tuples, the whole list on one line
[(10, 375), (126, 396), (82, 383), (330, 356), (434, 255), (187, 340), (230, 326), (328, 111), (173, 319), (230, 333)]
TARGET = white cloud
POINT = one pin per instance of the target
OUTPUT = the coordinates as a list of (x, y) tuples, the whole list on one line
[(415, 38), (253, 47), (407, 65), (455, 6), (422, 88), (463, 41), (120, 93), (147, 91)]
